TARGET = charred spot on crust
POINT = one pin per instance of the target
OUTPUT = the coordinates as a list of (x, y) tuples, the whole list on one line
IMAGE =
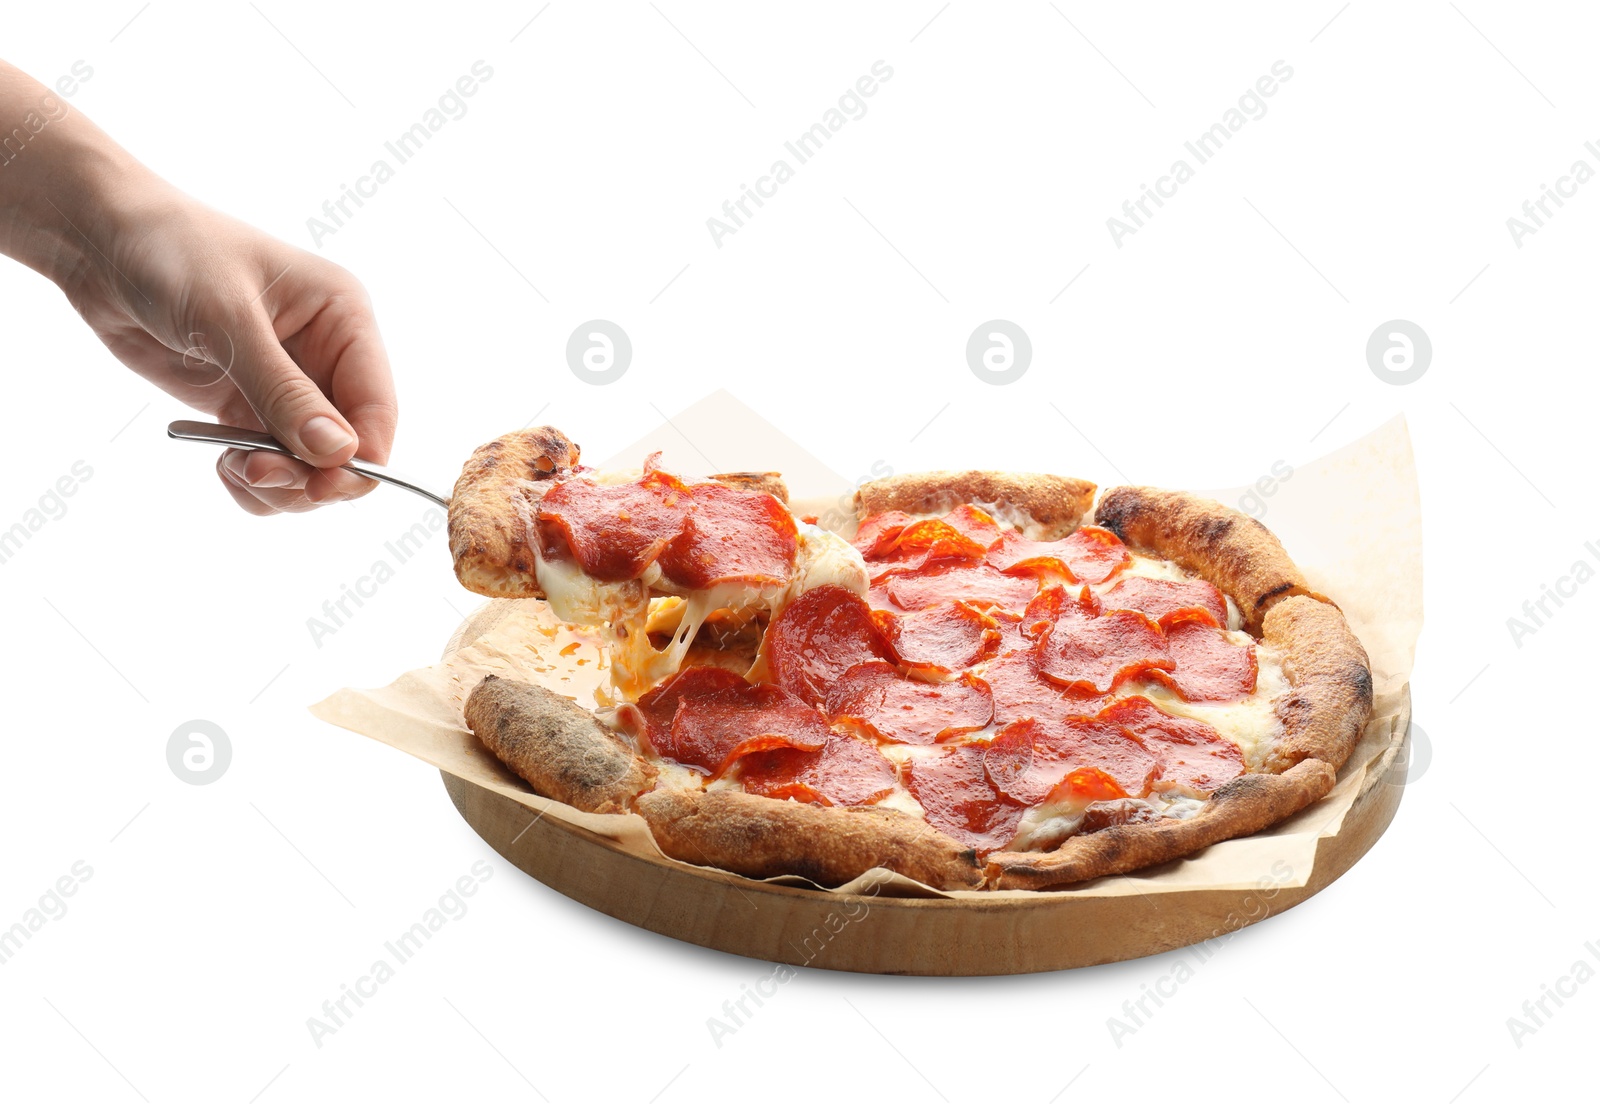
[(1213, 528), (1359, 676), (1117, 812), (769, 483), (1269, 594), (1295, 710), (1116, 510), (1110, 843), (553, 450), (807, 868), (1242, 787)]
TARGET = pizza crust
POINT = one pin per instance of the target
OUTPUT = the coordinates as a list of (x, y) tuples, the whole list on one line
[(769, 482), (559, 748), (1241, 806), (493, 506), (759, 837), (1055, 505), (1330, 678), (1233, 551)]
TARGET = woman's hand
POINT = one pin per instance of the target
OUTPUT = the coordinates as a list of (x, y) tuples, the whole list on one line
[(250, 330), (232, 321)]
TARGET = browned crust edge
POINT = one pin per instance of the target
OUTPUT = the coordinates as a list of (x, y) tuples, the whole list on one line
[(560, 749), (492, 509), (769, 482), (1242, 806), (1227, 547), (1330, 679), (759, 837), (1056, 504)]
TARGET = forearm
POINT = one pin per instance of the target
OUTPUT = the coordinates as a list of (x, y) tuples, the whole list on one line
[(61, 180)]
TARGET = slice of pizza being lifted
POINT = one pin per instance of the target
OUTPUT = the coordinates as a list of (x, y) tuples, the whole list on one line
[(644, 555)]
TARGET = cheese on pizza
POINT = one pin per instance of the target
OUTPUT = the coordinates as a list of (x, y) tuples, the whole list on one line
[(1010, 690), (647, 555)]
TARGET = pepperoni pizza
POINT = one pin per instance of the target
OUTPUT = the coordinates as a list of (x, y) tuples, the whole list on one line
[(996, 682)]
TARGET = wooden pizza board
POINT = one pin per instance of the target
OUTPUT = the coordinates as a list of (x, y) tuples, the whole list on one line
[(907, 936)]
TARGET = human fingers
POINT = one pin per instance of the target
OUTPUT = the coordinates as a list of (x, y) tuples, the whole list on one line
[(278, 483), (287, 401), (340, 347)]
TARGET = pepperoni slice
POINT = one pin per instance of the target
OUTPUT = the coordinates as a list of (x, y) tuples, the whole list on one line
[(732, 534), (660, 703), (946, 638), (975, 523), (1096, 554), (920, 543), (1093, 654), (876, 697), (878, 598), (1088, 555), (876, 534), (981, 585), (936, 545), (958, 798), (936, 533), (1015, 553), (1050, 604), (1020, 692), (818, 637), (1192, 753), (615, 531), (711, 731), (1210, 668), (847, 771), (934, 557), (1168, 602), (1009, 624), (1032, 761), (1091, 784)]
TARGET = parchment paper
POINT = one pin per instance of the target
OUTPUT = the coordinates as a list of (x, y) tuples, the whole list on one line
[(1350, 519)]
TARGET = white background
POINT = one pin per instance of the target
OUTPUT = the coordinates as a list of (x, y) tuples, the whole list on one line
[(1227, 334)]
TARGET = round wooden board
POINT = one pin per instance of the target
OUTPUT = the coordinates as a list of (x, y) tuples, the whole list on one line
[(905, 936)]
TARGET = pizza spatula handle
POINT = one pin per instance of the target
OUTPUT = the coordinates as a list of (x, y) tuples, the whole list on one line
[(237, 437)]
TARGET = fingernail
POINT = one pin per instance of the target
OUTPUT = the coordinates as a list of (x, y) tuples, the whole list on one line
[(233, 461), (275, 478), (324, 437)]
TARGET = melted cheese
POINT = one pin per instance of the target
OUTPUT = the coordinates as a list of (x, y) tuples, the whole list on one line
[(901, 798), (821, 557), (1048, 824), (1251, 723)]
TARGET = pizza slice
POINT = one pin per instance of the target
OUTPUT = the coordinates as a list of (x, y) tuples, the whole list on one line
[(643, 554), (994, 683)]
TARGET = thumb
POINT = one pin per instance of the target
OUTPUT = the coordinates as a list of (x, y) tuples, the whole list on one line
[(288, 403)]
